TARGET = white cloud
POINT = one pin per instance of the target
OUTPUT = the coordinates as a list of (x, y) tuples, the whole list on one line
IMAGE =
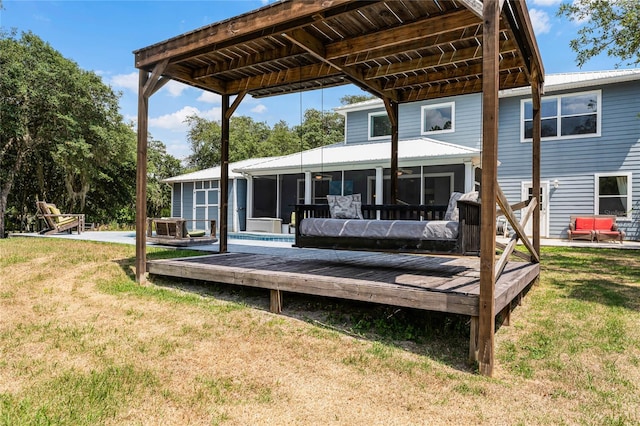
[(175, 88), (209, 97), (126, 81), (546, 3), (176, 120), (259, 109), (540, 21)]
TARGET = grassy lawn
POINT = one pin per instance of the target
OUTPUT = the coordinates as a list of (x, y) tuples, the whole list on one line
[(82, 344)]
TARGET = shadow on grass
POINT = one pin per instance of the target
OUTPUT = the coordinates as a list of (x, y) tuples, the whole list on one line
[(597, 276), (442, 337)]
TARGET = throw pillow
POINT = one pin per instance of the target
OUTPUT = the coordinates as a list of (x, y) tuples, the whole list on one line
[(452, 206), (345, 206), (452, 212)]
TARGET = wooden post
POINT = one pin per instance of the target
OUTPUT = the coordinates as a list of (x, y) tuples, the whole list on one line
[(490, 85), (392, 112), (224, 175), (141, 178), (536, 90), (275, 300), (473, 340)]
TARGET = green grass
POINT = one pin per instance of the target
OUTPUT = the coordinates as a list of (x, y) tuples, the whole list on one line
[(85, 344)]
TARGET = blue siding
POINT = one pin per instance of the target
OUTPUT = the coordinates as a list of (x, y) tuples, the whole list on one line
[(177, 199), (575, 162), (241, 187), (467, 121), (187, 200)]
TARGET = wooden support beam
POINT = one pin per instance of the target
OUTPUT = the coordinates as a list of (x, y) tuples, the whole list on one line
[(275, 301), (392, 111), (316, 48), (520, 255), (141, 178), (514, 207), (224, 175), (235, 104), (517, 227), (473, 340), (149, 87), (490, 86), (536, 94), (510, 247)]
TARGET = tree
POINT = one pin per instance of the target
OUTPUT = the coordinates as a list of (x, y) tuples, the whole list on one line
[(204, 138), (61, 133), (320, 128), (161, 166), (251, 139), (609, 26), (354, 99)]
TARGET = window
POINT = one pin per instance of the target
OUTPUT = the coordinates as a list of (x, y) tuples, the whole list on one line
[(379, 125), (205, 207), (613, 194), (438, 118), (567, 116)]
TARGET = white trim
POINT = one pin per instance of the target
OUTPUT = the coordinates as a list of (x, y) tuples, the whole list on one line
[(423, 108), (236, 219), (370, 127), (596, 192), (206, 205), (379, 180), (545, 212), (558, 117)]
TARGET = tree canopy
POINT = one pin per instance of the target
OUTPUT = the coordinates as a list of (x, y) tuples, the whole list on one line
[(609, 26), (251, 139), (62, 138)]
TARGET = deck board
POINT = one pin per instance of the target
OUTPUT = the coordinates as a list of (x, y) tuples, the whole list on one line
[(434, 283)]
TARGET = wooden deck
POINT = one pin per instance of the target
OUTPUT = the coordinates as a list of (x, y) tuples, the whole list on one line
[(434, 283), (445, 284)]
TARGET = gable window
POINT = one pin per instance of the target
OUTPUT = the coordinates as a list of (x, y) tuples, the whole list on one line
[(379, 125), (563, 117), (438, 118), (613, 194)]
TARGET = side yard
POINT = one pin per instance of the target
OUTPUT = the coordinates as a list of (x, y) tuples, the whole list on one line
[(81, 343)]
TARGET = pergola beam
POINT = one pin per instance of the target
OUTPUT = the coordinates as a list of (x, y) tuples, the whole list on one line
[(490, 86), (316, 48)]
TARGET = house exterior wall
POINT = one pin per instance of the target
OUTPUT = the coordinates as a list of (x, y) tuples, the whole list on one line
[(467, 122), (575, 162), (176, 200)]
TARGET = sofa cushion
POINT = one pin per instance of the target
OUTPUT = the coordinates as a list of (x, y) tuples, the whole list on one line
[(603, 223), (584, 223)]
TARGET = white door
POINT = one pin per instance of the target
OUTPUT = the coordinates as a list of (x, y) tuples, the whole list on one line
[(527, 193)]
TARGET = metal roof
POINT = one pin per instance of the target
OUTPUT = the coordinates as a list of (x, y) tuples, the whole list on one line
[(552, 83), (365, 155), (214, 172)]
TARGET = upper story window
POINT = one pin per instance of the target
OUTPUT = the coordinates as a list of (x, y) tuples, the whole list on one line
[(439, 118), (613, 194), (379, 125), (567, 116)]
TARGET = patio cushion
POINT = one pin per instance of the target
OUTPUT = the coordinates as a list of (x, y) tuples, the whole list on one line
[(603, 224), (196, 233), (584, 223)]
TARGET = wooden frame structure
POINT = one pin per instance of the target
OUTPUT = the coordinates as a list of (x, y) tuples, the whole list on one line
[(423, 50)]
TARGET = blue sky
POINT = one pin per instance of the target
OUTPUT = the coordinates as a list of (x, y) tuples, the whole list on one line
[(101, 35)]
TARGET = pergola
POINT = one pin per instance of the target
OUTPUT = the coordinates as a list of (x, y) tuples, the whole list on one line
[(399, 51)]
